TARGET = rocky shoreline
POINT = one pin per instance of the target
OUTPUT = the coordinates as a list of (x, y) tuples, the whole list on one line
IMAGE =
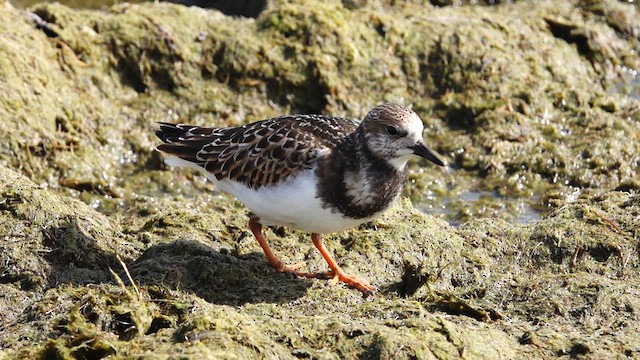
[(522, 106)]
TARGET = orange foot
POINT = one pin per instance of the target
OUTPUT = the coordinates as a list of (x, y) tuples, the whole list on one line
[(365, 288), (337, 275)]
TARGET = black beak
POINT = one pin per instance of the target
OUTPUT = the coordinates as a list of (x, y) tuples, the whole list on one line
[(421, 149)]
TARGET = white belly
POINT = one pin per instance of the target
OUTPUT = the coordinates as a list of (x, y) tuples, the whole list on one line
[(292, 204)]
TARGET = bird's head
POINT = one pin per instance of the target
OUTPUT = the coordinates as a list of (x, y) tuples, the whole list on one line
[(394, 133)]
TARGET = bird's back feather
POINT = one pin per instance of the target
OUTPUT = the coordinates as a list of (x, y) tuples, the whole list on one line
[(263, 153)]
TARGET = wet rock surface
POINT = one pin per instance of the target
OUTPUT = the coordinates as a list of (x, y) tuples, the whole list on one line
[(106, 252)]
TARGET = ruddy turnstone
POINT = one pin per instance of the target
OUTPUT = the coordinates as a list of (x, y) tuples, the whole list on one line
[(314, 173)]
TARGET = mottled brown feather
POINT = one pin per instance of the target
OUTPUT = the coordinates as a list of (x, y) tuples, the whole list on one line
[(262, 153)]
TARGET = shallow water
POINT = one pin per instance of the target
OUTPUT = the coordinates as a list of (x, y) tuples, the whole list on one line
[(481, 204), (629, 84)]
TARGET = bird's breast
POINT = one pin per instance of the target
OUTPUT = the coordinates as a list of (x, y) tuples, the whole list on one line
[(359, 191)]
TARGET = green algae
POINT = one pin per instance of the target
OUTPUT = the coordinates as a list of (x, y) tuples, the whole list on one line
[(527, 125), (519, 106), (50, 239), (572, 268)]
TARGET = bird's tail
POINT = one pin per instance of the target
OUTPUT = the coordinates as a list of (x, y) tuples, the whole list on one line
[(171, 133), (182, 142)]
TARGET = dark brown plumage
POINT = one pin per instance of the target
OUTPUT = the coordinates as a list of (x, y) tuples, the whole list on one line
[(283, 145)]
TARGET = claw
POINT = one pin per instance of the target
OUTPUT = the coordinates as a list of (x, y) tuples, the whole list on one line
[(334, 281)]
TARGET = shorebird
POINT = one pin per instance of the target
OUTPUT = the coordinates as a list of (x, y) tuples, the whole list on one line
[(314, 173)]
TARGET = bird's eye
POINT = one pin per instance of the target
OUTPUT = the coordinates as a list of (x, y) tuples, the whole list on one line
[(391, 130)]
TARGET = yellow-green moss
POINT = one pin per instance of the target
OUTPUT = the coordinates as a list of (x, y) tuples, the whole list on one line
[(518, 105)]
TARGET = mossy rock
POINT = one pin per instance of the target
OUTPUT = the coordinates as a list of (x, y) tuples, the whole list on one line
[(521, 107)]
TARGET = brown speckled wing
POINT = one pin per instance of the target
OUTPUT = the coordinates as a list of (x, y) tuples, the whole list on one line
[(259, 154)]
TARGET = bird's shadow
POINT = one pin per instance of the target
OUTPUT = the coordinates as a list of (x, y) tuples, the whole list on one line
[(216, 276)]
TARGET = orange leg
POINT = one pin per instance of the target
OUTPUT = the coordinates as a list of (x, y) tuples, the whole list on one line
[(274, 262), (337, 273)]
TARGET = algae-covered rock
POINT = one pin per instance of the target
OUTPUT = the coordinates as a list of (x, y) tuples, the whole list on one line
[(575, 269), (106, 253), (50, 239)]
